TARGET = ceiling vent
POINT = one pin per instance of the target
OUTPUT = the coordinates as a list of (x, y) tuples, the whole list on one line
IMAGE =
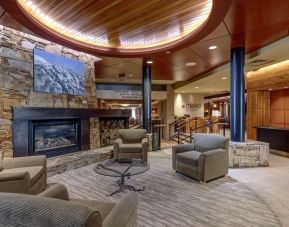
[(260, 62)]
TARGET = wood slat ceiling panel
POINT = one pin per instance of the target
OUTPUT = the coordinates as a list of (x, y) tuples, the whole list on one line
[(123, 23)]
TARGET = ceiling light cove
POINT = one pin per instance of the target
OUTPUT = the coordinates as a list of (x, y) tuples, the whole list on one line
[(121, 28), (224, 78)]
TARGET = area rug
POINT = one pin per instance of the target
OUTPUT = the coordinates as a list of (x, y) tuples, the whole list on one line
[(173, 200)]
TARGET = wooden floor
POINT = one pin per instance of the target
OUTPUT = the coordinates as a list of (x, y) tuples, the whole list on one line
[(173, 200)]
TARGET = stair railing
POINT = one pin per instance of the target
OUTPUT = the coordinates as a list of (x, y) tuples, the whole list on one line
[(190, 136)]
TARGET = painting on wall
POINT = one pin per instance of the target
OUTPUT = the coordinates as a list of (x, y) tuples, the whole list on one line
[(109, 128), (57, 74)]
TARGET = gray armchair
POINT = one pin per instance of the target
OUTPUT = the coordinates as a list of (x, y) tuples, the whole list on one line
[(26, 175), (53, 207), (132, 143), (205, 159)]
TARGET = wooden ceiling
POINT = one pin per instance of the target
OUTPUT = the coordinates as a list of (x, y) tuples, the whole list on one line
[(250, 23), (143, 23), (119, 28)]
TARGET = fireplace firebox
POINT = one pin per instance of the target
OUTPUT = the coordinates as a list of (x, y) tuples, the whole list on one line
[(54, 137)]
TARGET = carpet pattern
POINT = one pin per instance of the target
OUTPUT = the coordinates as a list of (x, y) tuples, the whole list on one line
[(173, 200)]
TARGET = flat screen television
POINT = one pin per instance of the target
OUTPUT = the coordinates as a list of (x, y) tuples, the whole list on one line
[(57, 74)]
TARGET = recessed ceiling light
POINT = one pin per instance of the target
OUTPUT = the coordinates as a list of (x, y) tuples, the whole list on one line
[(212, 47), (270, 89), (196, 87), (150, 61), (190, 64), (286, 87), (224, 78)]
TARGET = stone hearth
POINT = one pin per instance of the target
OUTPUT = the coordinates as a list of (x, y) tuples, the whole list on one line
[(248, 154), (63, 163)]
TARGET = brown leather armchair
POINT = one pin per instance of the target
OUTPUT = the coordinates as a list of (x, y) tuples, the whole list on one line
[(26, 175)]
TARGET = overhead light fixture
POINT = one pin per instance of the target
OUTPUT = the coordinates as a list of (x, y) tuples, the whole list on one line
[(224, 78), (286, 87), (212, 92), (189, 64), (196, 87), (212, 47), (167, 52), (124, 105), (270, 89), (150, 61)]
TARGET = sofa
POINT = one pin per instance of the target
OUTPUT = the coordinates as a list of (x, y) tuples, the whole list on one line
[(53, 207), (132, 144), (205, 159), (26, 175)]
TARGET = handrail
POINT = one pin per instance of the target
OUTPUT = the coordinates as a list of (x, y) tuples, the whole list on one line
[(194, 129)]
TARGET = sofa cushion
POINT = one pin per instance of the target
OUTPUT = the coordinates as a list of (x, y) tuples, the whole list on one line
[(35, 172), (189, 157), (206, 142), (130, 148), (102, 207)]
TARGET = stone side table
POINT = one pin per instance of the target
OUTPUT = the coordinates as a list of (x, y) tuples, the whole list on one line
[(248, 154)]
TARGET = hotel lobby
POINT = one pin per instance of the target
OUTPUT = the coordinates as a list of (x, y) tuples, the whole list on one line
[(144, 113)]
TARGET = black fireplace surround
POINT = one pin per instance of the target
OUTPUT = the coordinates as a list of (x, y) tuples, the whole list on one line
[(55, 131)]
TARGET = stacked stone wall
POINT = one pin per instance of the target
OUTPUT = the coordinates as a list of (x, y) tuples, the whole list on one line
[(16, 80)]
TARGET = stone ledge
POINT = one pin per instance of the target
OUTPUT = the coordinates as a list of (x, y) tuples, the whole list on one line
[(63, 163), (248, 154)]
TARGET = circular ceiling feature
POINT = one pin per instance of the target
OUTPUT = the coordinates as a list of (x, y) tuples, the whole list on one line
[(118, 27)]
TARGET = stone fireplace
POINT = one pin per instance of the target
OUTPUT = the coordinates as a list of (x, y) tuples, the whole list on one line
[(57, 131)]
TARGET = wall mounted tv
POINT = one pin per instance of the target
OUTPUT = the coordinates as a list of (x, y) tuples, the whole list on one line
[(57, 74)]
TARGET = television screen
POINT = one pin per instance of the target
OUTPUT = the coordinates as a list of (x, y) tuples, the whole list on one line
[(57, 74)]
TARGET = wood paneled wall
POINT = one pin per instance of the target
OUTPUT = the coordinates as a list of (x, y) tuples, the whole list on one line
[(279, 108), (258, 111)]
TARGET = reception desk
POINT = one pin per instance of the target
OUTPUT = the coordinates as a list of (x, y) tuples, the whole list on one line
[(278, 138)]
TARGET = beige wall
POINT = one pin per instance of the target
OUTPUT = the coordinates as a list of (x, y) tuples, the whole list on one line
[(192, 104)]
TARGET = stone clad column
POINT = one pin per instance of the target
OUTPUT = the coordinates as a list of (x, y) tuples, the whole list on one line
[(146, 96), (237, 95)]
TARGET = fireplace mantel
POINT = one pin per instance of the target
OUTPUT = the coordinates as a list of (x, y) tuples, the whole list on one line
[(22, 117)]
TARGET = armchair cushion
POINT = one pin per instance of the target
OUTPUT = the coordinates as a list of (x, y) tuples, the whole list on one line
[(130, 148), (190, 157), (205, 142), (35, 172), (132, 135)]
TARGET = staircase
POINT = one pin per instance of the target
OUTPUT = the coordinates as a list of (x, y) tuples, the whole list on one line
[(182, 130)]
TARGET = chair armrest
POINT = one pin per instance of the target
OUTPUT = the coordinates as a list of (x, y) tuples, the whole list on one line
[(15, 182), (57, 191), (145, 148), (116, 145), (212, 164), (180, 149), (123, 212), (30, 210), (10, 163)]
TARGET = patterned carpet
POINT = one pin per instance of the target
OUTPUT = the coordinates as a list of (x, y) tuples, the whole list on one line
[(173, 200)]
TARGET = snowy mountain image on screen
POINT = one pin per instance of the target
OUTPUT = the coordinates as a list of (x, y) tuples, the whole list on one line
[(57, 74)]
